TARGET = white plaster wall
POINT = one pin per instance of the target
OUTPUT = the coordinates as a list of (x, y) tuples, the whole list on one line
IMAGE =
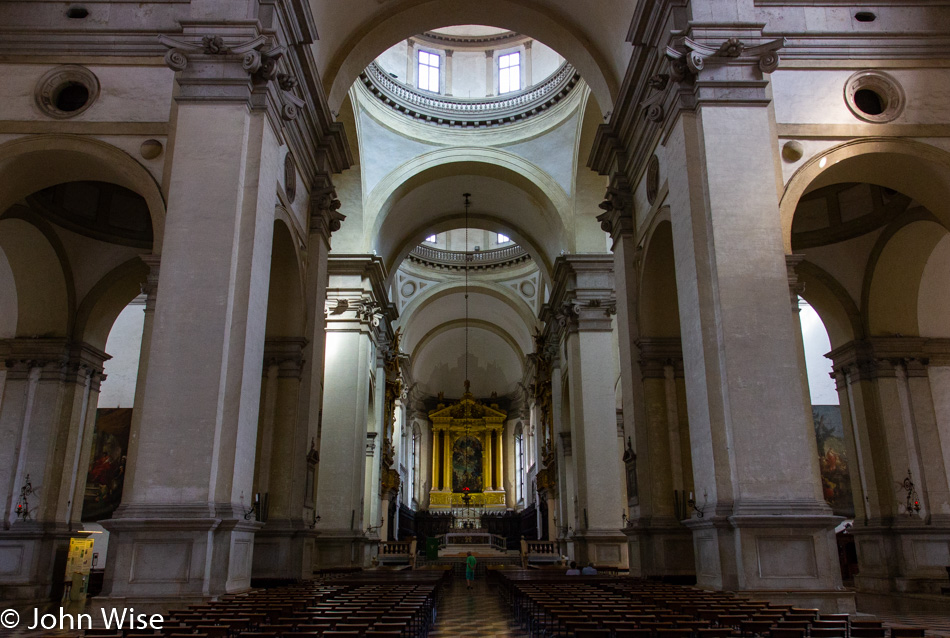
[(933, 306), (393, 60), (124, 344), (8, 304), (816, 96), (126, 93), (544, 61), (468, 74)]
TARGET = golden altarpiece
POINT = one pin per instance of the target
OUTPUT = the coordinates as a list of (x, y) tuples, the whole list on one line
[(468, 453)]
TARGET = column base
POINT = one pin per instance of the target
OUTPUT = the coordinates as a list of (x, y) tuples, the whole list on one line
[(902, 556), (828, 602), (284, 551), (343, 548), (604, 548), (169, 553), (33, 561), (660, 547), (767, 552)]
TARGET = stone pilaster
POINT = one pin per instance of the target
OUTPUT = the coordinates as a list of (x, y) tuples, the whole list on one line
[(47, 415), (283, 548), (356, 306), (583, 303), (892, 390), (202, 384), (765, 527), (659, 543)]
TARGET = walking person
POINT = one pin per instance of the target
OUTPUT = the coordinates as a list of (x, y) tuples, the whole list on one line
[(470, 562)]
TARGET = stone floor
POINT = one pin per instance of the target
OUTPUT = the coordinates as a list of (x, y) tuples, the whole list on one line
[(475, 612), (481, 612)]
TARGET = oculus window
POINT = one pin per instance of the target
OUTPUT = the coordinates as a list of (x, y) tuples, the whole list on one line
[(429, 66), (509, 72)]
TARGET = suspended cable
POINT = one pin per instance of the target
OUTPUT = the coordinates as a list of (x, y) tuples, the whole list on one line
[(467, 257)]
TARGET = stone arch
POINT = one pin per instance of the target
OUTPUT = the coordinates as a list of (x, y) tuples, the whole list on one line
[(286, 305), (374, 37), (658, 306), (510, 195), (44, 298), (835, 307), (29, 164), (435, 292), (108, 298), (914, 168), (895, 271)]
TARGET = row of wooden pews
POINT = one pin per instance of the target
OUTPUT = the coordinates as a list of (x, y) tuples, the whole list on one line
[(385, 604), (547, 604)]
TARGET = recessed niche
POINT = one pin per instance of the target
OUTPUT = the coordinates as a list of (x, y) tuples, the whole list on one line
[(77, 13), (874, 96), (865, 16), (66, 91)]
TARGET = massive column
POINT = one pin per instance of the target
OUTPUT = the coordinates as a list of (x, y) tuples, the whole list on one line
[(283, 549), (356, 301), (894, 413), (658, 543), (765, 526), (184, 529), (47, 413), (583, 301)]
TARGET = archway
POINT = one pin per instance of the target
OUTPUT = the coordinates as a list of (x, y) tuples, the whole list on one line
[(341, 64)]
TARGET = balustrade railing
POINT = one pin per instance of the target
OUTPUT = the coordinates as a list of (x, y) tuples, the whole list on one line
[(467, 112), (475, 259)]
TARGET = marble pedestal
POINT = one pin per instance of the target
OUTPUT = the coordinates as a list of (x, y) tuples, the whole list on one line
[(342, 549), (906, 556), (783, 558), (172, 555), (660, 547), (604, 548), (284, 550), (32, 560)]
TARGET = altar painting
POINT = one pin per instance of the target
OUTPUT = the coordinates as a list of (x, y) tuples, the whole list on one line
[(106, 475), (832, 457), (467, 464)]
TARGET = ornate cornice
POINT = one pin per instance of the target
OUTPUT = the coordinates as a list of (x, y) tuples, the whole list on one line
[(582, 297), (287, 354), (656, 354), (618, 216), (57, 359), (456, 260), (880, 357), (469, 113), (508, 38)]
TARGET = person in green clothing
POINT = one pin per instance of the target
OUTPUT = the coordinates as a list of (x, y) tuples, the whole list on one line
[(469, 570)]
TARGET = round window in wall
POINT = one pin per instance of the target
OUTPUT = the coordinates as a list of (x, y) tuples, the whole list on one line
[(874, 96), (66, 91)]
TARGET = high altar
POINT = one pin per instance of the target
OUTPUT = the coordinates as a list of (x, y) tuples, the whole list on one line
[(467, 452)]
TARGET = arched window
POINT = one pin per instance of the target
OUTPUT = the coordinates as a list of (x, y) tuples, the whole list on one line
[(519, 465), (414, 456)]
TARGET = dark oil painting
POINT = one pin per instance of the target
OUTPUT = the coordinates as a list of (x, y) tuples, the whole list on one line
[(833, 459), (467, 464), (110, 446)]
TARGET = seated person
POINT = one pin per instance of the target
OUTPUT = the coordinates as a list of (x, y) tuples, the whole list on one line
[(590, 570), (573, 571)]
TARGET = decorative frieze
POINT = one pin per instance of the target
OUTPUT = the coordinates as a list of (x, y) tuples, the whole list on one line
[(880, 357), (287, 354), (618, 217)]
